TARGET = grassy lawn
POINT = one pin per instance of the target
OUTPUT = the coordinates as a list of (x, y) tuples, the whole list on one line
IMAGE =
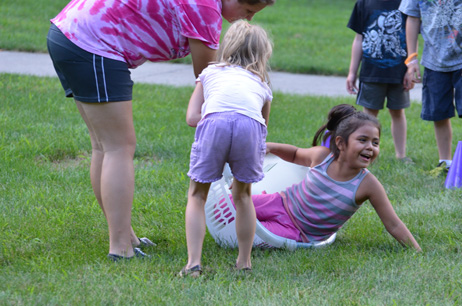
[(53, 237)]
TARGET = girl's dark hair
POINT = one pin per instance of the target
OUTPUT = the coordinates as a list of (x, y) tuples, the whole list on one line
[(342, 121)]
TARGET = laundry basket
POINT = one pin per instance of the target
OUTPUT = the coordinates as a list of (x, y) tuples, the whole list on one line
[(220, 214)]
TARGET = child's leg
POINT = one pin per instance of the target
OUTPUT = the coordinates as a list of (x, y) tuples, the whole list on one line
[(195, 221), (370, 111), (399, 131), (245, 222)]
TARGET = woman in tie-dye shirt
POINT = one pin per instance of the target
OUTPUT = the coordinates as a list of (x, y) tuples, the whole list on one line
[(92, 44)]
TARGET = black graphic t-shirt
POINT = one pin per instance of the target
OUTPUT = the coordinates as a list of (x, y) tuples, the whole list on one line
[(382, 26)]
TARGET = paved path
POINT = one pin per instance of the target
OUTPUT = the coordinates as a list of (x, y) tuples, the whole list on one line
[(39, 64)]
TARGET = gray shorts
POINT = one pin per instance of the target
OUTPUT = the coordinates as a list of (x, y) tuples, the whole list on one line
[(372, 96), (232, 138), (86, 76)]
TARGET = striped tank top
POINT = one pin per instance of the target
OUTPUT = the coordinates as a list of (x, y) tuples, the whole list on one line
[(319, 205)]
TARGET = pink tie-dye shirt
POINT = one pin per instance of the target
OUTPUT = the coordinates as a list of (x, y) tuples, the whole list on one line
[(134, 31)]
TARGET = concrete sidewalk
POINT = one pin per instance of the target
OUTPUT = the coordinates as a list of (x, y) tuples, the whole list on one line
[(39, 64)]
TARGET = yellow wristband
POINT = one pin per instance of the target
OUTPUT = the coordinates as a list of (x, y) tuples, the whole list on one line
[(410, 58)]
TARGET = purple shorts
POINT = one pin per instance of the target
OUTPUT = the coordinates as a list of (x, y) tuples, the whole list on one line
[(232, 138), (273, 216)]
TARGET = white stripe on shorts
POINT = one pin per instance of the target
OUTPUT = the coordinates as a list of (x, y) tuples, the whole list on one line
[(104, 78), (96, 77)]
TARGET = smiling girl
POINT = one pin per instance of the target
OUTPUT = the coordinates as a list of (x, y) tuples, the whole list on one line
[(336, 185)]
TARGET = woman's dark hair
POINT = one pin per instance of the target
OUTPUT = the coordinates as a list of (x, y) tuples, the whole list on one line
[(342, 120)]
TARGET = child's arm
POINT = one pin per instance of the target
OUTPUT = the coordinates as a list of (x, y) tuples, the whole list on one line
[(413, 70), (265, 111), (193, 114), (356, 55), (305, 157), (373, 190)]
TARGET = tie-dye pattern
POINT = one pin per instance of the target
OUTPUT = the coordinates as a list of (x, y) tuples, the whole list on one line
[(134, 31), (320, 205)]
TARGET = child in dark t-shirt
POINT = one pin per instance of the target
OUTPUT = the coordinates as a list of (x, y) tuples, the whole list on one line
[(380, 47)]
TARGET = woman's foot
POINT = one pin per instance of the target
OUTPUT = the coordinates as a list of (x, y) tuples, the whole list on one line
[(193, 272), (138, 254)]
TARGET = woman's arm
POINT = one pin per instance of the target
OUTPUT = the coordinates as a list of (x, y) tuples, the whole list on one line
[(373, 190), (193, 114), (201, 55)]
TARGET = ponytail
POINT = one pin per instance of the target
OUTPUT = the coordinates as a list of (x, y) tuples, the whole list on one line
[(336, 115)]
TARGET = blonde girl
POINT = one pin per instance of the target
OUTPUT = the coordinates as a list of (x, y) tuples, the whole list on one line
[(230, 108)]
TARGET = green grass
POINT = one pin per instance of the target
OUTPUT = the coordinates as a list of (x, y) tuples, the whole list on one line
[(53, 236)]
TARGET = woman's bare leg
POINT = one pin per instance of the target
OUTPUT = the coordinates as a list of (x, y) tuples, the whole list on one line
[(112, 174)]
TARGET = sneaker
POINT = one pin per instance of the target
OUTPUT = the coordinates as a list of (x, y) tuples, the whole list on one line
[(441, 169)]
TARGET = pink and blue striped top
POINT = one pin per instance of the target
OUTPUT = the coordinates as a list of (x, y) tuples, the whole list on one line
[(134, 31), (319, 205)]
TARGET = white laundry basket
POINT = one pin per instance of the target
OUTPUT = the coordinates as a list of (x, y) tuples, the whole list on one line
[(220, 214)]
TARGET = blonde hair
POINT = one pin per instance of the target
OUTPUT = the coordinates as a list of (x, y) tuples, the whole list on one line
[(247, 46)]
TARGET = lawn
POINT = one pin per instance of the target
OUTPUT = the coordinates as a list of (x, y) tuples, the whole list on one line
[(54, 239)]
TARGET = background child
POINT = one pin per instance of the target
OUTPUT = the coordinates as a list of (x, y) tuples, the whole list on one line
[(336, 185), (440, 23), (380, 47), (230, 107)]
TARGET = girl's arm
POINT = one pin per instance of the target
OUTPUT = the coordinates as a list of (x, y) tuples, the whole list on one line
[(305, 157), (193, 114), (356, 55), (373, 190), (265, 111)]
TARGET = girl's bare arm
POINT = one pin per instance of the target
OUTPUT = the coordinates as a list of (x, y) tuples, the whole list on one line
[(266, 111), (193, 114), (305, 157), (373, 190)]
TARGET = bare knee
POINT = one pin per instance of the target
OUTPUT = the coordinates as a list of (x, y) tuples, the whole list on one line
[(241, 193), (397, 113), (198, 191)]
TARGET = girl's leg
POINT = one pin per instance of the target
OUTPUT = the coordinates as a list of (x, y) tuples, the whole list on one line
[(399, 131), (245, 222), (195, 221), (112, 174)]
